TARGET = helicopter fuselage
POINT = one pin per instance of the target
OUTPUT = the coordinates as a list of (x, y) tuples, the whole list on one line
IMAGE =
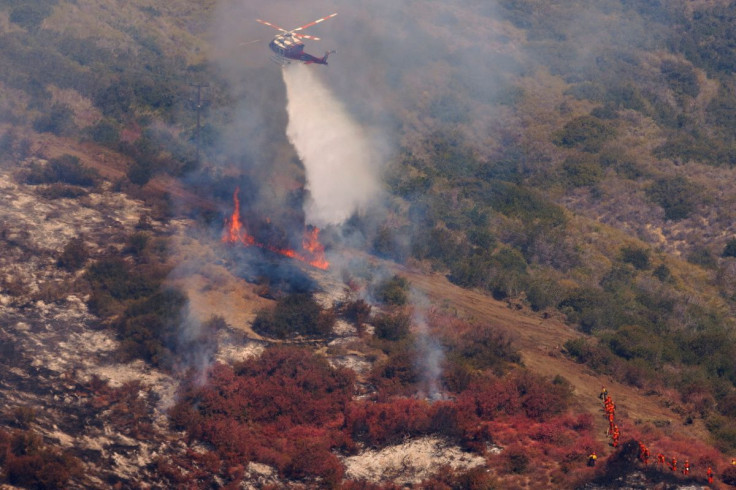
[(288, 48)]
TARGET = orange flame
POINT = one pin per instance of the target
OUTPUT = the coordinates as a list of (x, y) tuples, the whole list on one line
[(234, 229), (313, 251), (310, 243)]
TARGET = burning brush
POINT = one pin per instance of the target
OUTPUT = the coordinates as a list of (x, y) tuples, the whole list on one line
[(312, 251)]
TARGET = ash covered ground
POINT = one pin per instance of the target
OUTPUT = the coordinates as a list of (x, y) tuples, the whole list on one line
[(53, 348)]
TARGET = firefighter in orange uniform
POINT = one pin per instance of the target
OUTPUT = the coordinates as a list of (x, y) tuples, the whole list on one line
[(616, 435), (643, 454)]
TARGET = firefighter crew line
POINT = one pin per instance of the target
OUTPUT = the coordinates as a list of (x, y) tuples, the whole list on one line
[(614, 433)]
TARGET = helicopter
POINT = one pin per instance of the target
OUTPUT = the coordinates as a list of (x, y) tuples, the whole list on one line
[(287, 46)]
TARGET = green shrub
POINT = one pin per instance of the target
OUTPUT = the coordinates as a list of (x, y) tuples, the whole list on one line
[(392, 326), (686, 147), (484, 347), (581, 172), (585, 132), (681, 77), (393, 291), (676, 195), (295, 314), (587, 90), (543, 292), (482, 238), (59, 120), (701, 256), (105, 132), (523, 203), (724, 433), (117, 278), (662, 272), (140, 172), (633, 341), (593, 309), (65, 169), (583, 351), (627, 96), (638, 257), (150, 328)]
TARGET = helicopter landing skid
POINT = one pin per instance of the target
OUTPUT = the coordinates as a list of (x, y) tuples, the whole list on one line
[(280, 60)]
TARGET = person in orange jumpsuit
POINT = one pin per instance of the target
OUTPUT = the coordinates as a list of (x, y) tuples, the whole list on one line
[(686, 468), (643, 454), (709, 474), (660, 458), (616, 435), (673, 464)]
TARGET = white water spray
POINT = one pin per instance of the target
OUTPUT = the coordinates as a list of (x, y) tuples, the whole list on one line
[(340, 160)]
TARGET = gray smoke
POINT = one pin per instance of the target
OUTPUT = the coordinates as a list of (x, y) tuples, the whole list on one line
[(429, 351)]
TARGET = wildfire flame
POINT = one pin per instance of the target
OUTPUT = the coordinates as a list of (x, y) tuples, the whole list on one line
[(234, 229), (313, 252)]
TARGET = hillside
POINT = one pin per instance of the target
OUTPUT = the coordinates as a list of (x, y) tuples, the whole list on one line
[(414, 267)]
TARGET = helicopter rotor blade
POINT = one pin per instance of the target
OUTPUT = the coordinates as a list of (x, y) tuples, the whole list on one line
[(272, 25), (315, 22), (307, 36)]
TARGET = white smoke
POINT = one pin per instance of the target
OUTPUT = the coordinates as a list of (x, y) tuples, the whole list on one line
[(429, 350), (340, 158)]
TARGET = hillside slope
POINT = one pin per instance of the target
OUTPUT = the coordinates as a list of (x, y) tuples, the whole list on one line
[(547, 207)]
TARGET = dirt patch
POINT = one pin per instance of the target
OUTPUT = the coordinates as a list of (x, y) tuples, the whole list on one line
[(212, 288)]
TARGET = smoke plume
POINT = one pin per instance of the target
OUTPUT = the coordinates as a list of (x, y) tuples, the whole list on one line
[(429, 351), (339, 156)]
